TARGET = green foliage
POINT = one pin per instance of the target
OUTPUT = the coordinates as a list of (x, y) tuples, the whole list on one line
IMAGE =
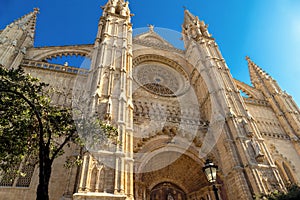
[(293, 193), (33, 128), (18, 124), (95, 134), (29, 122)]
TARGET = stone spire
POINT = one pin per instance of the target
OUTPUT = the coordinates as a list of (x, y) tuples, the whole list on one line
[(17, 37), (118, 7), (194, 28), (188, 17), (256, 73), (26, 24), (261, 79), (282, 104)]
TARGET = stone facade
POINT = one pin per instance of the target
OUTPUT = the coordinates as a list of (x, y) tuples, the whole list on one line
[(173, 109)]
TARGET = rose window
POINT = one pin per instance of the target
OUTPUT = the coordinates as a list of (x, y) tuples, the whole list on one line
[(160, 79)]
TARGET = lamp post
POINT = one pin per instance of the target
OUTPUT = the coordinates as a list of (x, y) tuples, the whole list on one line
[(210, 170)]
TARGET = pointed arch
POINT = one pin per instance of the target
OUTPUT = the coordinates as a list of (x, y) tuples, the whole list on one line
[(93, 180), (285, 172), (288, 172), (101, 185)]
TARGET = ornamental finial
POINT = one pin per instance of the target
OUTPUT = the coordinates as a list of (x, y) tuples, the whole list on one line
[(151, 27)]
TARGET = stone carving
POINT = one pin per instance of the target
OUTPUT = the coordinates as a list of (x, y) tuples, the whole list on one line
[(170, 197), (23, 50), (3, 40), (14, 43), (269, 180), (247, 128), (257, 150), (231, 113)]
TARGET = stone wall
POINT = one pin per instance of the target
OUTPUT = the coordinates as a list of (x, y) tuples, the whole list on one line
[(282, 147)]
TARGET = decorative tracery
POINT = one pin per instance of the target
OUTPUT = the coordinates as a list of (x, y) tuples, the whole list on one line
[(18, 179), (160, 79)]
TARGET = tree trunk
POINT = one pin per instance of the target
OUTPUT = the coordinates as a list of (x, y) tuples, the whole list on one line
[(44, 178)]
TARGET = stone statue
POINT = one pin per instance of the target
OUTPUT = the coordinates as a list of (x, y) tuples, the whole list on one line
[(170, 197)]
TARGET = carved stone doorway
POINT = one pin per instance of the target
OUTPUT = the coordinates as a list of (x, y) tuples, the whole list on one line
[(167, 191)]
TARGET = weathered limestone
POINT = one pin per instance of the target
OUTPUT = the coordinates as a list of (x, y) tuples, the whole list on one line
[(173, 109)]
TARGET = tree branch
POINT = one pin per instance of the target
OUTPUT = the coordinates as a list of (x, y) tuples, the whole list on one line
[(55, 153), (49, 139)]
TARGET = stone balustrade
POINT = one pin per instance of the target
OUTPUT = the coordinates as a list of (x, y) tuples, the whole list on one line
[(55, 67)]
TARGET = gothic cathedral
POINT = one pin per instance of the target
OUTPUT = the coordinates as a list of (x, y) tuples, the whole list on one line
[(174, 110)]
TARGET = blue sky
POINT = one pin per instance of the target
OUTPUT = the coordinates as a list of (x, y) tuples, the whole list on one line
[(266, 30)]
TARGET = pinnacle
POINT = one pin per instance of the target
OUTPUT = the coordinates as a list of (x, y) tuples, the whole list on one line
[(28, 21), (119, 7), (250, 62), (256, 73), (188, 16), (193, 27), (26, 24), (254, 66)]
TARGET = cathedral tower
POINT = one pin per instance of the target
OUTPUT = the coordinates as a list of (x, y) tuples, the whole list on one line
[(245, 150), (109, 88)]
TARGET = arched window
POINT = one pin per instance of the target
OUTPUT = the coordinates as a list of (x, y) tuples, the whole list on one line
[(285, 173), (288, 173), (15, 179)]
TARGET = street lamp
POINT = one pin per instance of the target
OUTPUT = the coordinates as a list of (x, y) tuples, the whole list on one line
[(210, 170)]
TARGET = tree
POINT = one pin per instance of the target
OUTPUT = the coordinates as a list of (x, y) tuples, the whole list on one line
[(31, 126)]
